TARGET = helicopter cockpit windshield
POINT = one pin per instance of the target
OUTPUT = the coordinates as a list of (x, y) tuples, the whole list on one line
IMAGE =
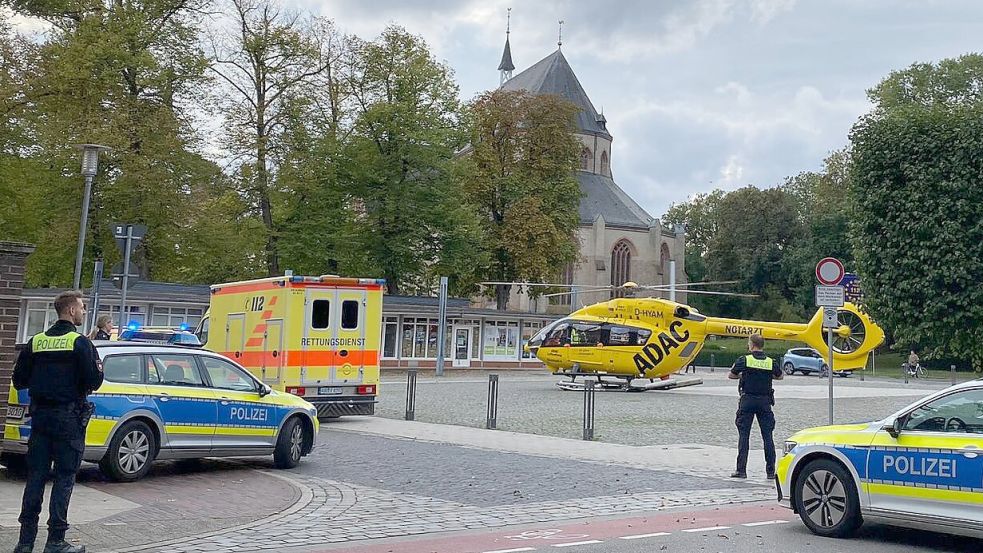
[(574, 333)]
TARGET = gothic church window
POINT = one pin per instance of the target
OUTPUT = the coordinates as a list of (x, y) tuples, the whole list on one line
[(586, 157), (605, 169), (620, 266)]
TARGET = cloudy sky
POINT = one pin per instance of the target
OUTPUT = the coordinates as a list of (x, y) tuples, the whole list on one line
[(699, 94)]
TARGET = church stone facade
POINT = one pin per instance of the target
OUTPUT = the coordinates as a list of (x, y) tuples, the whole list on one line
[(619, 241)]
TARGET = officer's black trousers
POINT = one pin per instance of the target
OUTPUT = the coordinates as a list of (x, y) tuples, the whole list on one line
[(57, 436), (750, 407)]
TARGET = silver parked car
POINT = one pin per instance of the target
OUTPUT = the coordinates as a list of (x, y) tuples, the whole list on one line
[(805, 361)]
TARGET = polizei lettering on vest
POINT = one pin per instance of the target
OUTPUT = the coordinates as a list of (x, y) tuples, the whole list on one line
[(920, 466), (655, 351)]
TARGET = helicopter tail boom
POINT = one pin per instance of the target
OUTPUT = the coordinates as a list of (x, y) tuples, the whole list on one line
[(856, 336)]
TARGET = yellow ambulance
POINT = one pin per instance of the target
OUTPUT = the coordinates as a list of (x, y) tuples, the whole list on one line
[(315, 337)]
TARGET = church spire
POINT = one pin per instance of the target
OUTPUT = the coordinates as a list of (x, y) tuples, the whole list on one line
[(506, 67)]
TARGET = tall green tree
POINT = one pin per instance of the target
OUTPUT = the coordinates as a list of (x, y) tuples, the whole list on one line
[(824, 211), (755, 229), (123, 75), (409, 222), (519, 173), (270, 61), (918, 224)]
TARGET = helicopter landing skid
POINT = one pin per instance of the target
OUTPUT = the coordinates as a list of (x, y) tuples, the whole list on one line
[(630, 386)]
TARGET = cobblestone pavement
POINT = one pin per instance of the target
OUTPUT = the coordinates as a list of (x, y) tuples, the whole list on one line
[(421, 488), (177, 499), (531, 403)]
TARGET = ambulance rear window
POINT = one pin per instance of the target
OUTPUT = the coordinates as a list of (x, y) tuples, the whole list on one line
[(349, 314), (321, 314)]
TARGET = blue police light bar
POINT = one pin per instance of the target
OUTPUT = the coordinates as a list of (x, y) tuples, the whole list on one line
[(133, 325), (184, 326)]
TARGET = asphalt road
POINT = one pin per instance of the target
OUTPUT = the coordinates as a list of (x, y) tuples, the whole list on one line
[(530, 402)]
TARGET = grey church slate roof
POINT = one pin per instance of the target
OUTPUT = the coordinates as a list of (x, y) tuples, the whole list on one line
[(603, 197), (553, 75), (506, 64)]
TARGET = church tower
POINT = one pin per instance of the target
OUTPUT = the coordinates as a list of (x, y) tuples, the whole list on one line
[(506, 66), (619, 240)]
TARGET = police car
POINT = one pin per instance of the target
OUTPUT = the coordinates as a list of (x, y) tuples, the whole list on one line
[(171, 402), (921, 467)]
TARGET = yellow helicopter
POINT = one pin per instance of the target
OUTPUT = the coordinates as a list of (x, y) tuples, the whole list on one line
[(633, 338)]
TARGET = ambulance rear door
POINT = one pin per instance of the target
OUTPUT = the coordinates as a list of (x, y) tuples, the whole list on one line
[(320, 325), (350, 333)]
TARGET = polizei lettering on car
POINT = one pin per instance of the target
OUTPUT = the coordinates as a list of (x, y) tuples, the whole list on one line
[(656, 350), (248, 414)]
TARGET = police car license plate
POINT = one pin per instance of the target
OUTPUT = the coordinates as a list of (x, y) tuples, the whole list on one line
[(329, 391), (15, 411)]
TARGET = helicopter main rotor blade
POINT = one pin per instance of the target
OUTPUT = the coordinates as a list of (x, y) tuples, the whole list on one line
[(704, 292)]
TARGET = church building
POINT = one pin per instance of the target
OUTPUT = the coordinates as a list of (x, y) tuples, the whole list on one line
[(619, 240)]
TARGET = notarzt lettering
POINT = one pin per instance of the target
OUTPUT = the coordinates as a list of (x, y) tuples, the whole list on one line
[(743, 330)]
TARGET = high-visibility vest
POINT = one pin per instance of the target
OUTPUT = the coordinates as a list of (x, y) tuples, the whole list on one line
[(753, 362), (42, 343)]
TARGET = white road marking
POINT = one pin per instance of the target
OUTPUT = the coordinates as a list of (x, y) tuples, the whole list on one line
[(706, 529), (516, 550), (640, 536), (766, 523), (571, 544)]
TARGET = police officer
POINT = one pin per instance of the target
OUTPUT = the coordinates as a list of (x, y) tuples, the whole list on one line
[(756, 372), (60, 368)]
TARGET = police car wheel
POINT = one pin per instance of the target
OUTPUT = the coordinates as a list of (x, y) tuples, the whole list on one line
[(826, 499), (130, 453), (289, 445), (16, 464)]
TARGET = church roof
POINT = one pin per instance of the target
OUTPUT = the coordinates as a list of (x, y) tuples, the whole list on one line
[(602, 197), (553, 75), (506, 64)]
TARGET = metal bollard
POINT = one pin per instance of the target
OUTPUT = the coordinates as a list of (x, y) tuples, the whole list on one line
[(491, 422), (711, 362), (904, 369), (588, 409), (952, 373), (411, 394)]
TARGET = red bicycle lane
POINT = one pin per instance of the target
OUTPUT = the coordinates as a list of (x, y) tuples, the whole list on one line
[(517, 539)]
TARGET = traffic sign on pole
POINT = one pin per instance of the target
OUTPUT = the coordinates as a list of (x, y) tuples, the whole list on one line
[(830, 296), (829, 271)]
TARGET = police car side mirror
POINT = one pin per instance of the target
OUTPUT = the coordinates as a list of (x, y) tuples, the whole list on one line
[(894, 428), (264, 390)]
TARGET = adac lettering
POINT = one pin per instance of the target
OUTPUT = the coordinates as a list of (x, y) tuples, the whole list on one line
[(657, 350), (743, 330)]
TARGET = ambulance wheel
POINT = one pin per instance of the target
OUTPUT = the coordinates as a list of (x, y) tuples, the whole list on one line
[(826, 499), (788, 368), (131, 452), (289, 445)]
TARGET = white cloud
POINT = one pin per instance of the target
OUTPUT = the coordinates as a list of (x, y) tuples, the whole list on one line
[(763, 11), (732, 172)]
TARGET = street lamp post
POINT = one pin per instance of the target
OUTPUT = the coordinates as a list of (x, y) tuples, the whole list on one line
[(90, 164)]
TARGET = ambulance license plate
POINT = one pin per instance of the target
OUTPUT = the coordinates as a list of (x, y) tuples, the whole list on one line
[(15, 411), (329, 391)]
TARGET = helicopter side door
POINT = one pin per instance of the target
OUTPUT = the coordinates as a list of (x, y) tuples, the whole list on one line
[(621, 344)]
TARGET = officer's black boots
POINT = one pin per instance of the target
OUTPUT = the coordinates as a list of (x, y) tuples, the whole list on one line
[(63, 547), (24, 548), (736, 474)]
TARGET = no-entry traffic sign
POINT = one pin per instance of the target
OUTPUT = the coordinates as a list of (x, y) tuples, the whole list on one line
[(829, 271)]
